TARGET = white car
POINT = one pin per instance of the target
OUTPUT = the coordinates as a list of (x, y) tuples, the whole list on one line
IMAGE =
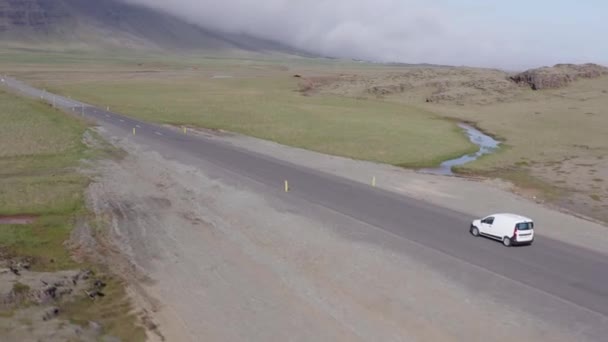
[(511, 229)]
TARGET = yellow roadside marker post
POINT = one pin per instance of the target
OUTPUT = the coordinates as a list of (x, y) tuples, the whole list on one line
[(374, 181), (133, 130), (286, 186), (185, 130)]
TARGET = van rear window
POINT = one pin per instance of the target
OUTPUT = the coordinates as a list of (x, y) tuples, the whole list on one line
[(525, 226)]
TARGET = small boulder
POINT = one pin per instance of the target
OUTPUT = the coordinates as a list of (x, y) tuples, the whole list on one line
[(95, 327), (50, 314)]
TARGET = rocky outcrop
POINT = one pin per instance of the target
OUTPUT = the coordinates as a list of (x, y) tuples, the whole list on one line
[(33, 14), (389, 89), (559, 75)]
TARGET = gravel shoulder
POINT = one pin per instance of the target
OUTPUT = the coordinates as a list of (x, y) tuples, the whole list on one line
[(225, 262)]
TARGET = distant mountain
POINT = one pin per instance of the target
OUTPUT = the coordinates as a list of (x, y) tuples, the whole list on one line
[(101, 23)]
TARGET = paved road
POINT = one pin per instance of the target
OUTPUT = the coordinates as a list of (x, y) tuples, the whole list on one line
[(566, 282)]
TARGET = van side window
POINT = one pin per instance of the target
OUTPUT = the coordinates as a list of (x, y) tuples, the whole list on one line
[(489, 220)]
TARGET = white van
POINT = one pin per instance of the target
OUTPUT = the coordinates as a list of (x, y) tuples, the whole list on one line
[(511, 229)]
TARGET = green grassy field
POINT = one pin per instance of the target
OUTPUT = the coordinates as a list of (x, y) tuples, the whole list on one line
[(40, 151), (260, 98), (545, 126), (553, 141), (266, 104)]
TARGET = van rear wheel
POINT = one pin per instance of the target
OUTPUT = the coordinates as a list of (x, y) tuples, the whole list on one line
[(506, 241)]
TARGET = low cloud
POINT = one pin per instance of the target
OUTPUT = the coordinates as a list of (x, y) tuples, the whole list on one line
[(412, 31)]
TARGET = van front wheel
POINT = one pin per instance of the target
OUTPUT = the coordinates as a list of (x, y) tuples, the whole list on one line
[(474, 231), (506, 241)]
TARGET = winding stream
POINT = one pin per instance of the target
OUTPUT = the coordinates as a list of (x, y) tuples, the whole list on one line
[(487, 145)]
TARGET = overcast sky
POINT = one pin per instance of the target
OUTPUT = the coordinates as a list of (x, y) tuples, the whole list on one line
[(511, 34)]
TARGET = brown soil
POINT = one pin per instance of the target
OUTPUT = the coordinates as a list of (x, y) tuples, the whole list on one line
[(18, 219), (419, 85), (311, 84)]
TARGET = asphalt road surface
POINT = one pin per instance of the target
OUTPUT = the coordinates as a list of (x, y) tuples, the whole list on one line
[(568, 284)]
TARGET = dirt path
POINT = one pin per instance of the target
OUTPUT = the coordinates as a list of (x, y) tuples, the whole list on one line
[(227, 264)]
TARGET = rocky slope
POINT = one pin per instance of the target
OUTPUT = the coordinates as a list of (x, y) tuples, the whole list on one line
[(559, 75), (115, 23), (450, 85), (37, 15)]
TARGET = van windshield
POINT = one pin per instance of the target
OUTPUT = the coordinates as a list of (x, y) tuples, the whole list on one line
[(525, 226)]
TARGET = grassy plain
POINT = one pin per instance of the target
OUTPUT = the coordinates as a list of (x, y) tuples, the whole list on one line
[(40, 151), (259, 98), (559, 142), (270, 109), (554, 141), (556, 144)]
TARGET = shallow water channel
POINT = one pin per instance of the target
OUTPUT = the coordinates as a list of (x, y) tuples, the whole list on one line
[(487, 145)]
